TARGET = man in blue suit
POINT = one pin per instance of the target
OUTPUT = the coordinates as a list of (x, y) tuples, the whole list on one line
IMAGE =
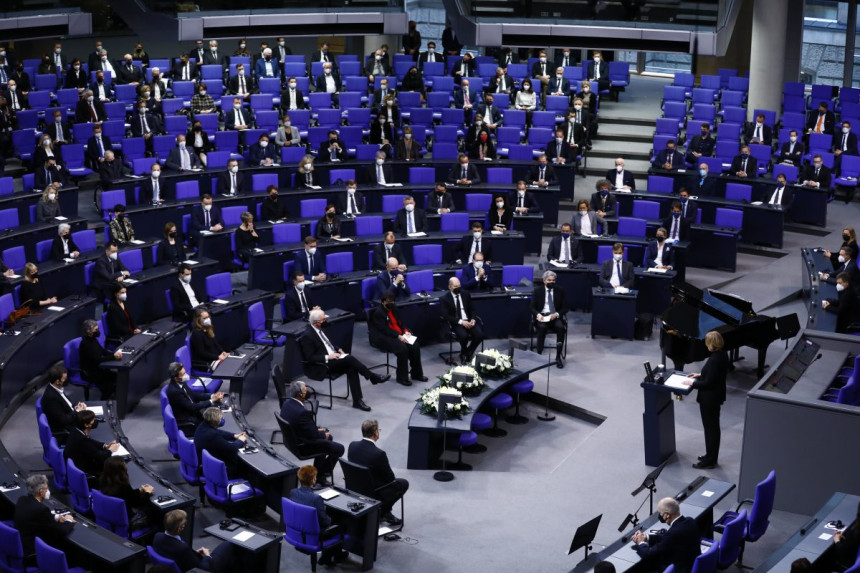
[(678, 546), (392, 281), (205, 217), (310, 261), (262, 152), (237, 118), (669, 159), (171, 545), (312, 439), (558, 85), (305, 495), (102, 90), (181, 158), (476, 277), (220, 444), (267, 66)]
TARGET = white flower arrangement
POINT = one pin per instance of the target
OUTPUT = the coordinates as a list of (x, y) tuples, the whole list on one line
[(472, 388), (429, 401), (503, 363)]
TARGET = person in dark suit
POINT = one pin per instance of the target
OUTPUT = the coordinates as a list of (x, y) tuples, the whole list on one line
[(702, 145), (541, 70), (542, 174), (273, 209), (711, 386), (490, 113), (564, 248), (292, 98), (305, 495), (92, 354), (744, 165), (381, 172), (388, 333), (558, 85), (322, 55), (351, 202), (502, 83), (332, 149), (76, 77), (602, 201), (616, 272), (297, 302), (171, 545), (311, 438), (758, 132), (700, 182), (669, 159), (792, 150), (620, 178), (386, 250), (181, 158), (559, 151), (62, 415), (466, 98), (598, 71), (119, 322), (88, 454), (463, 173), (187, 406), (388, 488), (377, 66), (33, 518), (849, 239), (146, 124), (410, 219), (450, 42), (328, 226), (440, 201), (310, 262), (844, 143), (108, 271), (676, 225), (475, 242), (267, 66), (231, 181), (523, 201), (660, 254), (845, 305), (846, 264), (821, 120), (328, 81), (183, 298), (49, 174), (500, 216), (213, 57), (184, 70), (152, 190), (476, 277), (458, 311), (206, 351), (220, 444), (549, 309), (678, 546), (205, 217), (130, 74), (689, 207), (816, 174), (59, 131), (97, 147), (406, 148), (321, 355), (263, 152), (429, 56), (241, 85), (238, 119), (392, 281), (383, 134), (109, 170), (465, 68), (782, 195)]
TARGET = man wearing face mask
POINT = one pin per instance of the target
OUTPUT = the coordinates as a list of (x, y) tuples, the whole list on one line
[(129, 74), (388, 333), (668, 159), (678, 227), (791, 152), (549, 309), (152, 189), (744, 165), (198, 52), (298, 301), (376, 66), (758, 132), (238, 119), (187, 405), (310, 261), (542, 174), (183, 70), (388, 249), (559, 151), (351, 203), (602, 201), (564, 248), (502, 83), (16, 99), (90, 110), (463, 69), (181, 158), (392, 281), (146, 125), (328, 81), (464, 173), (490, 113), (110, 170), (205, 217), (701, 183), (821, 120), (845, 265), (659, 254), (273, 209), (263, 153), (214, 56), (104, 64), (522, 201), (558, 84), (380, 95), (816, 174), (598, 71), (267, 66), (34, 518), (231, 181), (49, 174), (782, 195), (242, 84), (380, 173), (616, 272), (328, 226), (292, 98), (476, 275), (183, 297), (678, 546), (59, 131), (845, 305), (474, 242), (844, 143), (465, 98), (689, 208), (458, 311), (541, 70), (621, 179), (56, 405), (332, 149), (92, 354), (702, 145), (440, 201), (410, 219)]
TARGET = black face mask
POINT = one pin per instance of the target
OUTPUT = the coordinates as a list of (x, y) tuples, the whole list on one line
[(660, 238), (273, 198), (456, 290), (846, 238), (661, 518), (95, 425), (198, 128), (549, 286), (172, 234), (34, 276), (330, 215)]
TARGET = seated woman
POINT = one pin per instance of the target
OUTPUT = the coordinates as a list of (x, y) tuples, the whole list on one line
[(46, 149), (328, 226), (64, 246), (120, 324), (88, 454), (206, 352), (500, 216), (382, 133), (483, 148), (121, 229), (198, 140), (32, 292), (115, 483), (49, 207), (246, 237), (412, 82), (305, 495), (306, 176), (171, 250), (91, 355)]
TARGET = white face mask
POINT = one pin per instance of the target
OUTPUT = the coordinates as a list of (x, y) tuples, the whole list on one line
[(327, 71), (185, 377), (207, 322), (378, 57), (264, 144), (521, 192), (846, 129), (237, 107), (840, 287), (156, 174), (841, 259), (380, 161), (619, 168), (583, 213), (559, 139), (793, 138), (186, 278), (292, 85), (89, 99), (122, 296), (47, 495), (585, 90), (234, 169), (203, 92), (52, 196), (113, 256), (617, 257), (478, 264), (431, 50), (351, 190), (312, 251), (500, 204), (287, 124), (559, 76), (181, 144), (207, 207), (300, 286), (577, 107), (76, 68), (543, 60), (409, 208), (407, 136), (596, 60)]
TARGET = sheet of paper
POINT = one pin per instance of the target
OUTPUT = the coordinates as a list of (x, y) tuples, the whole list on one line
[(756, 203), (494, 232), (677, 381), (240, 488), (655, 270), (342, 239), (558, 264), (591, 236), (136, 242), (97, 410), (421, 234), (165, 502), (14, 276), (410, 338), (239, 356), (69, 260), (622, 290), (825, 536), (129, 281), (707, 493), (258, 250), (190, 262), (56, 308), (329, 493), (61, 218), (121, 451), (393, 184), (221, 301), (13, 488), (243, 535), (314, 186)]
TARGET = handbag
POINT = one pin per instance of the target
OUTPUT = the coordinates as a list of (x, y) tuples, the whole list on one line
[(19, 313)]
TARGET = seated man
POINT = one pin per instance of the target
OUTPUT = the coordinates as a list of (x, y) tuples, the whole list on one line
[(262, 153), (782, 195), (457, 309), (50, 174), (702, 145), (679, 546), (758, 132), (542, 174), (659, 254), (792, 150), (109, 271), (151, 190), (621, 179), (440, 201), (844, 305), (231, 181), (744, 165), (220, 444), (669, 159), (466, 98), (388, 488), (332, 149), (816, 174), (388, 249), (187, 406), (310, 262), (88, 454), (689, 207), (33, 518), (700, 183), (844, 143), (475, 275), (410, 219), (473, 243), (464, 173), (62, 415), (181, 158), (523, 201), (110, 170), (549, 307), (205, 217), (292, 98), (311, 438), (846, 265), (297, 300), (267, 66), (183, 297), (241, 84), (392, 281), (321, 355), (617, 273), (237, 118), (92, 354), (171, 544), (602, 201), (389, 334), (678, 227), (563, 248), (351, 202), (305, 495), (560, 151)]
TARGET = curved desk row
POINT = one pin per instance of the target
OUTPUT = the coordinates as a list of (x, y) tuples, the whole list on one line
[(28, 234), (815, 290)]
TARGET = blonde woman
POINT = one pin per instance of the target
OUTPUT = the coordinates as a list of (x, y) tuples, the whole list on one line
[(306, 176), (206, 352), (49, 206), (32, 292)]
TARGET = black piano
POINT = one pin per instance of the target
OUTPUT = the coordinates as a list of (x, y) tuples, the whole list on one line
[(695, 312)]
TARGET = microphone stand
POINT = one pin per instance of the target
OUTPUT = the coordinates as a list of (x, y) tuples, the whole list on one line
[(634, 518), (546, 416), (442, 411)]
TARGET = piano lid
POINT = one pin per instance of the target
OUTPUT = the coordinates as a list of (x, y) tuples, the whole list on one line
[(717, 308)]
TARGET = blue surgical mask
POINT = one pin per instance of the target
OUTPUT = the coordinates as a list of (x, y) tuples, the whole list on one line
[(604, 193), (565, 235), (703, 172), (745, 155), (683, 199), (676, 215)]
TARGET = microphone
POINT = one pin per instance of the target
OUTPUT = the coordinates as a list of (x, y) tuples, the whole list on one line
[(626, 522), (814, 360)]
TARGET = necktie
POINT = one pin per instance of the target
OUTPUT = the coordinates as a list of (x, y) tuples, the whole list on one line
[(242, 85), (144, 126), (155, 190), (459, 307), (3, 74), (684, 210), (550, 299), (675, 229), (566, 62), (311, 265), (206, 219), (670, 158), (60, 132), (565, 250), (578, 117), (477, 248), (618, 269), (744, 166), (328, 345), (410, 224), (184, 162), (466, 96), (819, 124), (387, 253), (380, 176), (570, 130), (240, 119), (501, 84), (777, 197), (48, 176), (542, 176), (758, 132), (464, 174), (520, 201), (232, 183), (101, 147)]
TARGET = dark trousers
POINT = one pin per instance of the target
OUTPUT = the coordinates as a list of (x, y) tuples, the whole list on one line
[(711, 423), (352, 367), (541, 328), (408, 357), (221, 559), (392, 492), (469, 338), (333, 450), (105, 381)]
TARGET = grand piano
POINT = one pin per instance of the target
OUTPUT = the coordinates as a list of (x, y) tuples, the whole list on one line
[(695, 312)]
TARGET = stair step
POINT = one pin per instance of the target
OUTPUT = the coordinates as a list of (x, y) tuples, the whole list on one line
[(627, 121)]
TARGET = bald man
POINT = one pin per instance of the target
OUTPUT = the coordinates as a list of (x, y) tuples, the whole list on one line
[(678, 546), (457, 309)]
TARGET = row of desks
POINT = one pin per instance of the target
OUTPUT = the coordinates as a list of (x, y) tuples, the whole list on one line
[(815, 290)]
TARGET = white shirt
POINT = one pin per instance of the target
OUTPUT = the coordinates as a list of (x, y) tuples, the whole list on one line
[(269, 72), (63, 394), (293, 104), (585, 225), (329, 84), (658, 260), (564, 255), (65, 242), (192, 298), (619, 179), (329, 348), (615, 280), (350, 199), (776, 199)]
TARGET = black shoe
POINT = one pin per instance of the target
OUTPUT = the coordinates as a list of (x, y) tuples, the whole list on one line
[(340, 556), (359, 404), (379, 379), (390, 519), (323, 482), (420, 378), (326, 560), (559, 361), (404, 382), (700, 458), (704, 465)]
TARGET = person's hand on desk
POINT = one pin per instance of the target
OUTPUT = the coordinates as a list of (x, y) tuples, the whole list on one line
[(464, 181), (203, 551), (824, 276), (118, 354), (242, 436), (136, 330), (223, 355), (112, 446), (65, 518), (146, 488), (53, 300), (320, 278), (125, 273), (80, 406), (825, 303), (75, 254), (639, 537), (216, 227), (9, 272), (838, 536)]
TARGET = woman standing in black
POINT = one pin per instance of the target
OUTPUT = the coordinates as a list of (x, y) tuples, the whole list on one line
[(711, 386)]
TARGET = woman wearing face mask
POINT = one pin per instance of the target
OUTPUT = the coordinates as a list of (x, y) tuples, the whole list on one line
[(306, 176), (202, 102), (849, 240), (242, 49), (407, 148), (500, 216), (92, 354), (287, 135), (526, 100), (412, 82), (198, 140), (206, 352), (32, 292), (121, 229), (588, 97), (140, 55), (382, 133), (49, 206), (483, 149), (45, 150), (171, 250), (119, 322), (64, 246), (328, 226), (46, 66), (246, 237)]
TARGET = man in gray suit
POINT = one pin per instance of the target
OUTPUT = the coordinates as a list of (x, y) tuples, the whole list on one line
[(585, 221)]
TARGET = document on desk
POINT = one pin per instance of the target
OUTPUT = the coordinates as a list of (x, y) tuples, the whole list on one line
[(136, 242), (221, 301), (61, 218), (329, 494), (392, 184), (190, 262), (679, 381), (258, 250), (343, 239), (97, 410), (236, 356), (56, 308), (201, 382), (129, 281), (243, 536), (4, 488), (121, 451), (756, 203), (656, 270), (419, 234), (591, 236), (313, 186), (68, 260), (558, 264)]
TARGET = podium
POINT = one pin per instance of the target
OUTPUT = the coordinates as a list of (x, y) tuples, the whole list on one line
[(658, 420)]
